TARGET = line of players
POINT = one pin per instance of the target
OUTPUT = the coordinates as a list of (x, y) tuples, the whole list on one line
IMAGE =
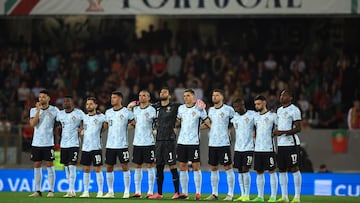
[(254, 140)]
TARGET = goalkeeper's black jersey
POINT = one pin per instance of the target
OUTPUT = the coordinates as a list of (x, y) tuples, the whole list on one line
[(165, 121)]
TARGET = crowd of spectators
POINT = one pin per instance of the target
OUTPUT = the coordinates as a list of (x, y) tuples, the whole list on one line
[(325, 87)]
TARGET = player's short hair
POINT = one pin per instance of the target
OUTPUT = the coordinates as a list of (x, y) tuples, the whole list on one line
[(68, 97), (239, 101), (260, 97), (219, 91), (289, 92), (166, 88), (146, 91), (190, 91), (93, 99), (45, 92), (118, 93)]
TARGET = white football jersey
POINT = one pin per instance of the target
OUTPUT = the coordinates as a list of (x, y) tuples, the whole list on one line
[(191, 118), (70, 123), (44, 129), (219, 131), (264, 124), (144, 119), (92, 132), (118, 121), (286, 118), (244, 131)]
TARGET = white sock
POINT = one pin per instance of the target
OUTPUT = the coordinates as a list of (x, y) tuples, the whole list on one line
[(72, 177), (241, 184), (230, 177), (247, 182), (86, 178), (126, 176), (214, 178), (67, 172), (137, 180), (100, 181), (260, 182), (37, 178), (51, 177), (273, 184), (283, 178), (297, 183), (151, 178), (184, 181), (198, 181), (110, 181)]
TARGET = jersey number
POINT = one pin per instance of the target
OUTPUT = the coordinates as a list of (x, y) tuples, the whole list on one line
[(75, 156), (294, 158), (272, 162), (126, 156), (226, 158), (98, 159), (170, 156), (196, 154), (249, 160)]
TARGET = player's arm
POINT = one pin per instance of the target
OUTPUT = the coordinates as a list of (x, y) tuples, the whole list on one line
[(294, 130), (33, 121), (205, 124), (178, 123), (104, 127), (131, 124), (81, 129)]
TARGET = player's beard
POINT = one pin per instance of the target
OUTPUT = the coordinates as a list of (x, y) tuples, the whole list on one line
[(90, 110), (164, 98)]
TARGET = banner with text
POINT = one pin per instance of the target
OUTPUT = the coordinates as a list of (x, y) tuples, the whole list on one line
[(178, 7), (326, 184)]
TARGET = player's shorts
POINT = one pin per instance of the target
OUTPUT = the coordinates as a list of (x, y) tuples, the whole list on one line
[(112, 154), (220, 155), (243, 159), (93, 157), (143, 154), (165, 152), (42, 154), (187, 153), (69, 155), (264, 161), (287, 157)]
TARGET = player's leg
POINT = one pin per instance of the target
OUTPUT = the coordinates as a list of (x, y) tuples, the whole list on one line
[(214, 175), (294, 168), (260, 180), (171, 161), (72, 170), (138, 161), (247, 163), (197, 171), (124, 160), (281, 159), (110, 161), (37, 159), (49, 158), (149, 160), (160, 164), (183, 159), (271, 166), (97, 163), (230, 176), (86, 162)]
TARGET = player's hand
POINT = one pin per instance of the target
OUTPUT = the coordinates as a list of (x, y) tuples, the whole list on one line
[(38, 106), (200, 104), (132, 104), (277, 132)]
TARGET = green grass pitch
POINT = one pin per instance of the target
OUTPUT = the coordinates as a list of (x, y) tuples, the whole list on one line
[(20, 197)]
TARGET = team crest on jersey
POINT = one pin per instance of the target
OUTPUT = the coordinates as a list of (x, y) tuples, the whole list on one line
[(121, 116), (147, 115), (193, 113), (222, 115), (168, 109), (266, 120), (247, 120), (95, 121), (73, 119)]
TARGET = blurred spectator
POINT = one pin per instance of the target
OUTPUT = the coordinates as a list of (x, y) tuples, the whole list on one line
[(174, 64), (305, 162), (323, 169), (5, 124), (327, 117), (353, 116), (23, 93)]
